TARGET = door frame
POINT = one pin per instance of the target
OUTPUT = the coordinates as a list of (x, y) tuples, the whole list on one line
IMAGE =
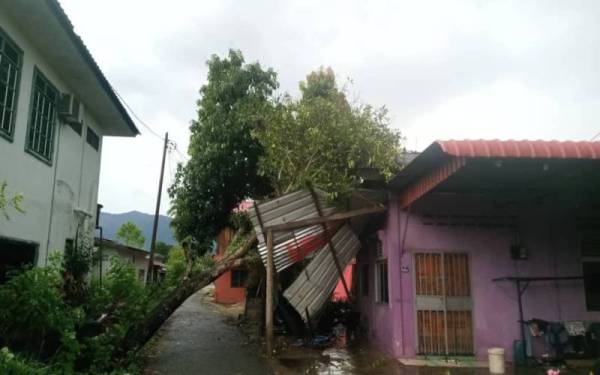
[(414, 253)]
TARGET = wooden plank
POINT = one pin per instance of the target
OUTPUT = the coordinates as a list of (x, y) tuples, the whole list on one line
[(325, 219)]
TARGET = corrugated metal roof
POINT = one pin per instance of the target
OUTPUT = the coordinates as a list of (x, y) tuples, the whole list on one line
[(313, 287), (290, 246), (521, 149)]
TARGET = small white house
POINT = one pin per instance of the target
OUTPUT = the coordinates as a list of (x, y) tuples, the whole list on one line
[(55, 108), (136, 257)]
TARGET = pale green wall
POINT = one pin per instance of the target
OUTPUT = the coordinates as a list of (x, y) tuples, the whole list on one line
[(77, 166)]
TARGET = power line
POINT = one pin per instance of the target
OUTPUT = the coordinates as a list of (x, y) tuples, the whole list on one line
[(180, 154), (596, 136), (172, 145), (137, 117)]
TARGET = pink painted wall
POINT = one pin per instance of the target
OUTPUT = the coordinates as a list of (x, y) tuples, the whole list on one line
[(224, 292), (339, 293), (550, 235)]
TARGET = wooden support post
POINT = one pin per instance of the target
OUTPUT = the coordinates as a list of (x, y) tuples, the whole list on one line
[(269, 297), (330, 243)]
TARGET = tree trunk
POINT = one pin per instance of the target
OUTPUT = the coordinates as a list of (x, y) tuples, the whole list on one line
[(140, 333)]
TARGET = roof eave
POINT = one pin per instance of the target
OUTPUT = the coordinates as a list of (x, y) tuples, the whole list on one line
[(67, 26)]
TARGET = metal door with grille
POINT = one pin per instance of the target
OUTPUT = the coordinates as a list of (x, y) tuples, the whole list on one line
[(443, 304)]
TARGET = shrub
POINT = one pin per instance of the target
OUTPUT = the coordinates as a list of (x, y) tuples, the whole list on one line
[(126, 300), (176, 265), (38, 321), (10, 364), (34, 317)]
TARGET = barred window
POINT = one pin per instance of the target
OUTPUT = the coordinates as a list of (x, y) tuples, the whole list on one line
[(42, 119), (10, 64), (239, 277), (381, 281)]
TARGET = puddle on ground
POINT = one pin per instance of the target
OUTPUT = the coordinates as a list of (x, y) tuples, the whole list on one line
[(357, 358)]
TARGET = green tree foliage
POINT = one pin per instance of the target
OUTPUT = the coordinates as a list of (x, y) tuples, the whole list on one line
[(7, 201), (323, 140), (176, 265), (15, 365), (130, 235), (224, 156), (163, 249), (246, 143), (76, 263)]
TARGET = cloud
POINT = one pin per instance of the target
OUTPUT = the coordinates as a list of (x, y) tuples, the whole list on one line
[(466, 69)]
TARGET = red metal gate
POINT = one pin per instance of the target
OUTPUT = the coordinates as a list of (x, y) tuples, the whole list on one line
[(443, 304)]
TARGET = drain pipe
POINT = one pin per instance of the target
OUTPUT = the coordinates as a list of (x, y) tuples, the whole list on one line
[(99, 227), (59, 126)]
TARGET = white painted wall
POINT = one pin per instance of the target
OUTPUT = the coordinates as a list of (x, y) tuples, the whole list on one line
[(137, 259), (53, 194)]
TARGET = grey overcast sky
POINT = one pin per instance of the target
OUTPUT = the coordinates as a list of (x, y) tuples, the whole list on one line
[(445, 69)]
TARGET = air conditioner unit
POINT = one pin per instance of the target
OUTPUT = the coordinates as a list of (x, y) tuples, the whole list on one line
[(68, 109)]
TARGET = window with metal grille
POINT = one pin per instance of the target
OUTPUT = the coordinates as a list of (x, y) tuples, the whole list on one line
[(10, 66), (238, 278), (381, 281), (42, 119), (378, 248), (92, 139)]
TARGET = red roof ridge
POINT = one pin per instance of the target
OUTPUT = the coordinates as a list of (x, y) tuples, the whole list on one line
[(554, 149)]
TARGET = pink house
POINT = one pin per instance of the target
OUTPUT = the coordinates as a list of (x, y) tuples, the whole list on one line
[(468, 223)]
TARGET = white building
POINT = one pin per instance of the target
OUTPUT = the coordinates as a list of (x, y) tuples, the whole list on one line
[(55, 108), (136, 257)]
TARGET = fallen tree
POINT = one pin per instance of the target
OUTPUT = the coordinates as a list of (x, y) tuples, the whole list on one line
[(138, 334)]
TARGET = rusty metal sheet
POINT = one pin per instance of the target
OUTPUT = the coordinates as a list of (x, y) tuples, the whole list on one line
[(430, 180), (292, 246), (315, 284)]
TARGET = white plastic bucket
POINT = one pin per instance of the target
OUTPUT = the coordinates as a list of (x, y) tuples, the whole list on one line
[(496, 360)]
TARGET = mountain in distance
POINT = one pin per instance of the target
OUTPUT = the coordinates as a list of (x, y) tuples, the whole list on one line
[(111, 223)]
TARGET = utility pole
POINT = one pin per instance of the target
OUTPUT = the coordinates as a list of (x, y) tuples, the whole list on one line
[(150, 272)]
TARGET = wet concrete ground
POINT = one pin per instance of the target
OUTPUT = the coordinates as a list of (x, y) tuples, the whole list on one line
[(197, 340), (357, 358)]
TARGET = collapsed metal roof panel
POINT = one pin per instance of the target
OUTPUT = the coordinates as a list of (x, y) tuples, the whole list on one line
[(313, 287), (291, 246)]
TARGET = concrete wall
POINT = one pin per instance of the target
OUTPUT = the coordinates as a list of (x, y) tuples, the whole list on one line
[(549, 233), (226, 294), (52, 193)]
